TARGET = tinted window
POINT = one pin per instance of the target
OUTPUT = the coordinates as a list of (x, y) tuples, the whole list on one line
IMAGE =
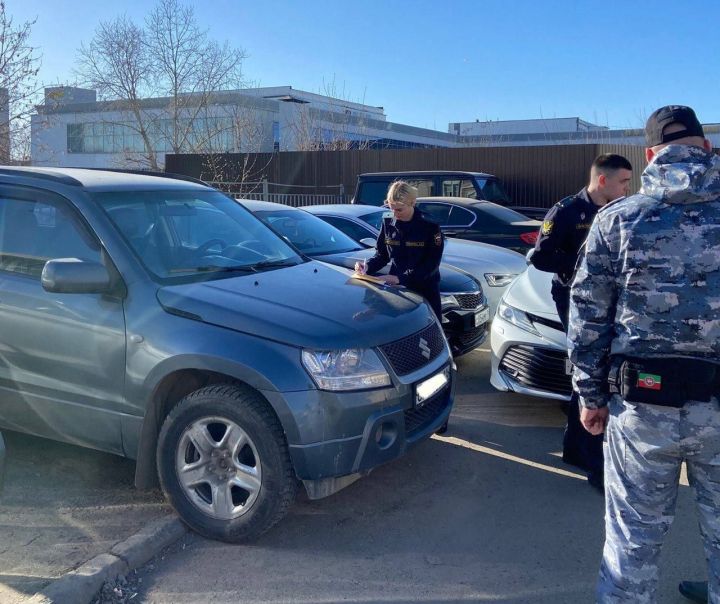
[(193, 235), (351, 229), (501, 213), (33, 232), (436, 212), (307, 232), (372, 193), (492, 190), (461, 217), (374, 219), (458, 188)]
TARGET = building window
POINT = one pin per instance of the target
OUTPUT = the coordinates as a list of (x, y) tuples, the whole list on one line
[(276, 136)]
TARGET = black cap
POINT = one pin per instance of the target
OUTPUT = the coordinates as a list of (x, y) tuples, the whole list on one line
[(671, 114)]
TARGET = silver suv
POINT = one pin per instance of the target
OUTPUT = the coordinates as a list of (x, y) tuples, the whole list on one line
[(230, 368)]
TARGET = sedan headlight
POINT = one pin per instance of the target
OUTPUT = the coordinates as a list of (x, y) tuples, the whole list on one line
[(499, 279), (350, 369), (448, 300), (516, 316)]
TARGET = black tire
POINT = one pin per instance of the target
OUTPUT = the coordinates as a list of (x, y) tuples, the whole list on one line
[(209, 507)]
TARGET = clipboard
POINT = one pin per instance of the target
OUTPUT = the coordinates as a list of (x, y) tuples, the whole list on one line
[(369, 278)]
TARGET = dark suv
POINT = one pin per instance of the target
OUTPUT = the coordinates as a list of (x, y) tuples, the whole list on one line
[(371, 188), (228, 366)]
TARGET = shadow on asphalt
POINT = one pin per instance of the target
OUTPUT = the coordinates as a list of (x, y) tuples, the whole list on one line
[(61, 506)]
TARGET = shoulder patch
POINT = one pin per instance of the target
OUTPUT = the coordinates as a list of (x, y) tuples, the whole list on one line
[(547, 226)]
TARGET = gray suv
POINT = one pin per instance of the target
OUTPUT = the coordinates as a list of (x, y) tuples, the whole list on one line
[(230, 368)]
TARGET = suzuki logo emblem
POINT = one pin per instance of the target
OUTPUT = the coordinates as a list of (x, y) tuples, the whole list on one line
[(424, 348)]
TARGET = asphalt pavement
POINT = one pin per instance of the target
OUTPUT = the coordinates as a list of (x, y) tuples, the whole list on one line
[(485, 513)]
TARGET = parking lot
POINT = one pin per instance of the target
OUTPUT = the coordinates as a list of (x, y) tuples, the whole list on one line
[(487, 512)]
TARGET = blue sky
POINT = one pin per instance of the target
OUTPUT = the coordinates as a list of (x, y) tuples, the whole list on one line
[(433, 62)]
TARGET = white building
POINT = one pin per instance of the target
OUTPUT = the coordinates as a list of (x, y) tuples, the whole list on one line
[(72, 128)]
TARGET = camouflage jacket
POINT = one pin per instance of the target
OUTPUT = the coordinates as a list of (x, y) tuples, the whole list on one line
[(649, 282)]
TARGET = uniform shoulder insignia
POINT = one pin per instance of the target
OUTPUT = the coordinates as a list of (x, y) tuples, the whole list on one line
[(547, 226)]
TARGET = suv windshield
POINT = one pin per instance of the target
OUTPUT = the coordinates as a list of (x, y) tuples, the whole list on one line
[(307, 232), (188, 235), (492, 190)]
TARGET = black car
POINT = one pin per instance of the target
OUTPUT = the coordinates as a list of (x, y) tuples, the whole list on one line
[(481, 221), (371, 188), (465, 314)]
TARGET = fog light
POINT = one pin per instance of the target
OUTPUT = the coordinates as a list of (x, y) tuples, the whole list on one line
[(386, 435)]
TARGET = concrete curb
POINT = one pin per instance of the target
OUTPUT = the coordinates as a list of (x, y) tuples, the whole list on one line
[(80, 586)]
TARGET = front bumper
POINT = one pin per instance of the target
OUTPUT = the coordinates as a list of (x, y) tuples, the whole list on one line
[(367, 429), (529, 363), (463, 331)]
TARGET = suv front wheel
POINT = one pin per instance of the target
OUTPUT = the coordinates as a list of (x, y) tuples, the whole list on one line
[(224, 464)]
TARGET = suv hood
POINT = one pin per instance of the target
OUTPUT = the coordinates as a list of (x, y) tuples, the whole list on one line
[(310, 305), (452, 280)]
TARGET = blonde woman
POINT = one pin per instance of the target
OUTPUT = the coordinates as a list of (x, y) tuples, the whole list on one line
[(411, 244)]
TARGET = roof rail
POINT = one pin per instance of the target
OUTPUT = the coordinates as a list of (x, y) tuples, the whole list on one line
[(40, 173), (151, 173)]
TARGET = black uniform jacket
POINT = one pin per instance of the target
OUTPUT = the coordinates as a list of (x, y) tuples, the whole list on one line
[(562, 235), (413, 248)]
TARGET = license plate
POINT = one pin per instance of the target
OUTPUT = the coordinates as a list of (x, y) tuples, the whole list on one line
[(481, 317), (568, 367), (428, 388)]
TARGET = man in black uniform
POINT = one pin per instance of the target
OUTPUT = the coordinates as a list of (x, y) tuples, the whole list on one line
[(411, 244), (562, 234)]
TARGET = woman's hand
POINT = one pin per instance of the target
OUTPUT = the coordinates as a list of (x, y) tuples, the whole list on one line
[(360, 268)]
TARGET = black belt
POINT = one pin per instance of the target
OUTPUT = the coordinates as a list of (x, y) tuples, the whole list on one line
[(665, 381)]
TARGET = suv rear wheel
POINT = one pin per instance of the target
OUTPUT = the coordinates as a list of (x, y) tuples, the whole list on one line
[(224, 464)]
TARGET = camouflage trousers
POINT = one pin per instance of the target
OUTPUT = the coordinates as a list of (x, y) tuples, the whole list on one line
[(646, 445)]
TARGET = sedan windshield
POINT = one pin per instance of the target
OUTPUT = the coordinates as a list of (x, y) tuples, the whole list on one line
[(307, 232), (194, 235)]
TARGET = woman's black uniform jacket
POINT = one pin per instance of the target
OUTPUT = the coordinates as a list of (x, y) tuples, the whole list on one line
[(414, 249)]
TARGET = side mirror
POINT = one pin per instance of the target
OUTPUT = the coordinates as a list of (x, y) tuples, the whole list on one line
[(368, 241), (75, 276)]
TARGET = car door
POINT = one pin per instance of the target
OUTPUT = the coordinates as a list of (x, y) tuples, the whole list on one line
[(62, 356)]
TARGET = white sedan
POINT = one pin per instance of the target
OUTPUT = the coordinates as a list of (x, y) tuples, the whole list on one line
[(494, 267), (527, 341)]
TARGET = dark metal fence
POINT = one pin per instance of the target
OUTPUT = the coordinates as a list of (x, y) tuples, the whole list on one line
[(533, 176)]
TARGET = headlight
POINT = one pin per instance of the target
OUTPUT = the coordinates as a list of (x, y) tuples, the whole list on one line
[(448, 300), (516, 317), (499, 279), (351, 369)]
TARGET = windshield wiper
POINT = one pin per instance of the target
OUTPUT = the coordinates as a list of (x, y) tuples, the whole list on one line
[(258, 266), (212, 268)]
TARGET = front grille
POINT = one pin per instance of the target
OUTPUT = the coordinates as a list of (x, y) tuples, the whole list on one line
[(406, 355), (539, 368), (469, 301), (418, 418), (468, 337)]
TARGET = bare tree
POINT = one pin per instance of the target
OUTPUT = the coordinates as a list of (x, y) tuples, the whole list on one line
[(337, 128), (19, 66), (172, 61)]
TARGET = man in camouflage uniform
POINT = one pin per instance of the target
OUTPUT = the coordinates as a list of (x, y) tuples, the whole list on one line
[(644, 337)]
